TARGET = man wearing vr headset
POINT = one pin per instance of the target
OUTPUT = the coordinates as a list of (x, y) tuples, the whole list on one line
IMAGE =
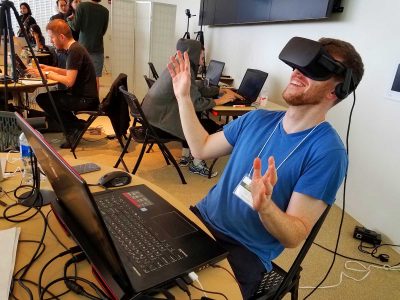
[(284, 168)]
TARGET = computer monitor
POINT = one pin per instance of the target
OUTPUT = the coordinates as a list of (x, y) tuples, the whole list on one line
[(252, 83), (214, 72), (73, 194)]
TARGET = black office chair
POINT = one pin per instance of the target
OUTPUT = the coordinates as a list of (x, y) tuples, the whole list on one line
[(142, 132), (277, 283), (149, 81), (113, 106), (153, 70)]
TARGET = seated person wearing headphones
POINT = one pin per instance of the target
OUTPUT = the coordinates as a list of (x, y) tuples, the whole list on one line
[(79, 77), (161, 108), (284, 168)]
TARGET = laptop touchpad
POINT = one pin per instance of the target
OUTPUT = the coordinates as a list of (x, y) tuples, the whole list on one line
[(173, 224)]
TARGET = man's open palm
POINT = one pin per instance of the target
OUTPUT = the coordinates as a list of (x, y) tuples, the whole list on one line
[(179, 68)]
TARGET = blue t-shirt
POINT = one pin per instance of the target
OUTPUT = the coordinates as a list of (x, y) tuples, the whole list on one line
[(316, 168)]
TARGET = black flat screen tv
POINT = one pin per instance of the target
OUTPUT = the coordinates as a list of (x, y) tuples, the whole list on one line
[(233, 12)]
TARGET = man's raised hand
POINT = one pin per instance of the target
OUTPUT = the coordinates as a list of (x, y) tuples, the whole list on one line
[(179, 68), (262, 186)]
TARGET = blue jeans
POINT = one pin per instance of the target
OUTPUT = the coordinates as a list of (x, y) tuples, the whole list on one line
[(98, 62), (248, 268)]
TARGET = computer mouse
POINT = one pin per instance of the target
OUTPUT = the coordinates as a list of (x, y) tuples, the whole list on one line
[(115, 179)]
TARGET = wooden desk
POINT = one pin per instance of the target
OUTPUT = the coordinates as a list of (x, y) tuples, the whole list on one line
[(230, 111), (212, 279), (27, 85), (24, 86)]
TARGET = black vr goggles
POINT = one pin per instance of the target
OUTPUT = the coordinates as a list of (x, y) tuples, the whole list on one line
[(311, 59)]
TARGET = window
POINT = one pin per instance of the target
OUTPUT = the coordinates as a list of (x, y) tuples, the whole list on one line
[(42, 10)]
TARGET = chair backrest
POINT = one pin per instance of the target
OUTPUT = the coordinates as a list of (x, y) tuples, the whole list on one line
[(114, 106), (9, 131), (134, 108), (294, 269), (153, 70), (149, 81)]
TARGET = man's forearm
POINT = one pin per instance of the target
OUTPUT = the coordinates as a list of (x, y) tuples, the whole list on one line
[(289, 230), (56, 70), (195, 134)]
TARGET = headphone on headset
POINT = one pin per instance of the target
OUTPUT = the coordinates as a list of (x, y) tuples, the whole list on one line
[(311, 59)]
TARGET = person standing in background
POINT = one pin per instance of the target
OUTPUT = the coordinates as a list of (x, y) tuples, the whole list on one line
[(26, 19), (91, 20), (62, 8), (72, 6)]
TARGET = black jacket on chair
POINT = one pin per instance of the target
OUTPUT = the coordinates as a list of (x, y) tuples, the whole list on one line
[(115, 106)]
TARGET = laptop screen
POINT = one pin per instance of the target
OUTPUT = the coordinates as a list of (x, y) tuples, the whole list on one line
[(72, 191), (214, 71), (252, 83)]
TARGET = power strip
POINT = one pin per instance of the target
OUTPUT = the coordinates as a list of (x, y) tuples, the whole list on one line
[(368, 236)]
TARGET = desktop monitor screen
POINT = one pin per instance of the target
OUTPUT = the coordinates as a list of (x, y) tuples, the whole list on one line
[(72, 191), (214, 71), (252, 83)]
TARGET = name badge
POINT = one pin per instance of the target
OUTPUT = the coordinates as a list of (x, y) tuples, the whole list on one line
[(243, 191)]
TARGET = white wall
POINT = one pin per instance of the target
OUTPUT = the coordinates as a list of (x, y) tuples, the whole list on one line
[(181, 18), (373, 191)]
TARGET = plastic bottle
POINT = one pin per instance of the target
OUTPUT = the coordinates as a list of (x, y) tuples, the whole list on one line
[(25, 151)]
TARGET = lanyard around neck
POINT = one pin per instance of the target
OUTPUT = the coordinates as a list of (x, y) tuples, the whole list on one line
[(291, 152)]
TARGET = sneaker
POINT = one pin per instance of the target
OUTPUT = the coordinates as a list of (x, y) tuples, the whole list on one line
[(185, 161), (202, 170)]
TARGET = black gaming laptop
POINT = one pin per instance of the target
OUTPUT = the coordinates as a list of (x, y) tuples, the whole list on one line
[(250, 87), (214, 72), (132, 236)]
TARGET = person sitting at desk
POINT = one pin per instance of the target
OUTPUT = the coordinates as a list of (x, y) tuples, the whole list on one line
[(79, 76), (38, 37), (257, 209), (161, 108)]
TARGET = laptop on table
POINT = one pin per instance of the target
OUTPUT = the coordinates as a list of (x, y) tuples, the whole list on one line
[(214, 72), (134, 238), (250, 87)]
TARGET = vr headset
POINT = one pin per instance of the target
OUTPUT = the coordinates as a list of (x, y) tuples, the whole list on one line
[(311, 59)]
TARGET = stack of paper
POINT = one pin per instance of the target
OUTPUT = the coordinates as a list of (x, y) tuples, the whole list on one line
[(8, 250)]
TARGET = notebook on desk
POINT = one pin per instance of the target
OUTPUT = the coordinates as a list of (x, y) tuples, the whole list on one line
[(250, 87), (142, 240)]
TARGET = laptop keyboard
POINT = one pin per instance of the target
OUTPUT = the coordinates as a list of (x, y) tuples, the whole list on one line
[(145, 252)]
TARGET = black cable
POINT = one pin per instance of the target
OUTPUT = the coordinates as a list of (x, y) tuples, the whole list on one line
[(76, 287), (71, 286), (69, 251), (182, 285), (209, 292), (15, 279), (52, 232), (383, 257), (352, 258), (344, 202), (35, 256), (35, 284), (226, 270)]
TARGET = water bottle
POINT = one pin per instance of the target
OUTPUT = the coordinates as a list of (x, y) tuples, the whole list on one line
[(25, 151)]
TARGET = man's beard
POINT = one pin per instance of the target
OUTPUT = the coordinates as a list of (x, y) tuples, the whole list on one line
[(296, 99)]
